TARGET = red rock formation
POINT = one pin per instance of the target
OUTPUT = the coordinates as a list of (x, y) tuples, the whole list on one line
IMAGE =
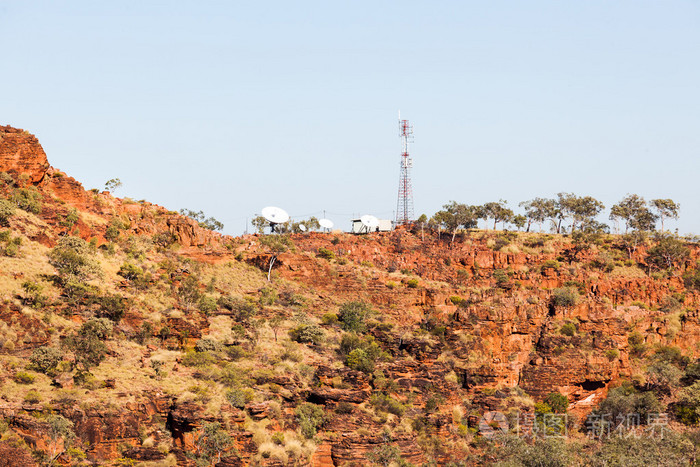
[(21, 153)]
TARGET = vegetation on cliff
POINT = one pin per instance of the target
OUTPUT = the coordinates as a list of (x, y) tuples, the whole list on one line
[(131, 335)]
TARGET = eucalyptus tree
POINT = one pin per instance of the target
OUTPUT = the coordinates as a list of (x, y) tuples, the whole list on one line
[(455, 215), (634, 211), (497, 211), (538, 210), (666, 208)]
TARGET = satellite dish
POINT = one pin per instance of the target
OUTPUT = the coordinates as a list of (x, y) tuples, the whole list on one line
[(275, 215), (302, 227), (326, 223), (369, 221)]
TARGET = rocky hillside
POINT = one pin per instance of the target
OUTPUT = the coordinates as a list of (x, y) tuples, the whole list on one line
[(130, 335)]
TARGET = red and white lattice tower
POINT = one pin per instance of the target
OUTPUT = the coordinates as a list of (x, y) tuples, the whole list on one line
[(404, 207)]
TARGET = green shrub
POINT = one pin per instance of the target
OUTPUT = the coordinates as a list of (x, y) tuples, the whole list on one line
[(565, 296), (239, 397), (130, 272), (612, 354), (636, 342), (278, 438), (188, 292), (88, 343), (325, 253), (11, 250), (353, 316), (22, 377), (74, 260), (307, 334), (329, 318), (358, 360), (32, 294), (310, 418), (558, 402), (624, 401), (551, 264), (198, 359), (207, 304), (267, 296), (113, 307), (46, 359), (360, 354), (7, 210), (386, 403), (27, 199), (32, 397), (208, 345), (568, 329), (412, 283), (666, 449), (242, 309)]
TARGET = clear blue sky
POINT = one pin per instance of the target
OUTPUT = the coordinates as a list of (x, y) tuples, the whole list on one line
[(230, 106)]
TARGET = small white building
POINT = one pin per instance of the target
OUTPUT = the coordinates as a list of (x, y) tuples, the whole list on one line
[(385, 225)]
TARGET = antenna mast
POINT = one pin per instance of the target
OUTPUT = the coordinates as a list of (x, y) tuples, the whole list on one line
[(404, 208)]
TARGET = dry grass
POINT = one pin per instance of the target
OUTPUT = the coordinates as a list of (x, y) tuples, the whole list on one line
[(234, 277), (627, 271)]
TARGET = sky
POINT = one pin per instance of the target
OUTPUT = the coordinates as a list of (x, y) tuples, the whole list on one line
[(230, 106)]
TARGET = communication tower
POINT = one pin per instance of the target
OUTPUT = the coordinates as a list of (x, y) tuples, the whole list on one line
[(404, 207)]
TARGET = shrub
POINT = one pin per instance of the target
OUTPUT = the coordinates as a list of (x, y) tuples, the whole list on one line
[(32, 294), (7, 210), (352, 316), (624, 401), (557, 401), (325, 253), (130, 272), (568, 329), (565, 296), (663, 375), (412, 283), (207, 304), (667, 252), (358, 360), (11, 250), (88, 343), (113, 307), (27, 199), (239, 397), (612, 354), (636, 342), (307, 334), (329, 318), (551, 264), (22, 377), (310, 417), (46, 359), (73, 259), (208, 345), (198, 359), (360, 354), (188, 292), (243, 309), (385, 455), (667, 449), (386, 403), (32, 397), (350, 342), (691, 277)]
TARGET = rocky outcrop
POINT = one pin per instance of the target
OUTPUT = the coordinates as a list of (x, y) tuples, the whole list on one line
[(21, 154)]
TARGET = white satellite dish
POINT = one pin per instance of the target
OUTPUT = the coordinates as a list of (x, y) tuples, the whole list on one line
[(369, 221), (275, 215), (302, 227), (326, 223)]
